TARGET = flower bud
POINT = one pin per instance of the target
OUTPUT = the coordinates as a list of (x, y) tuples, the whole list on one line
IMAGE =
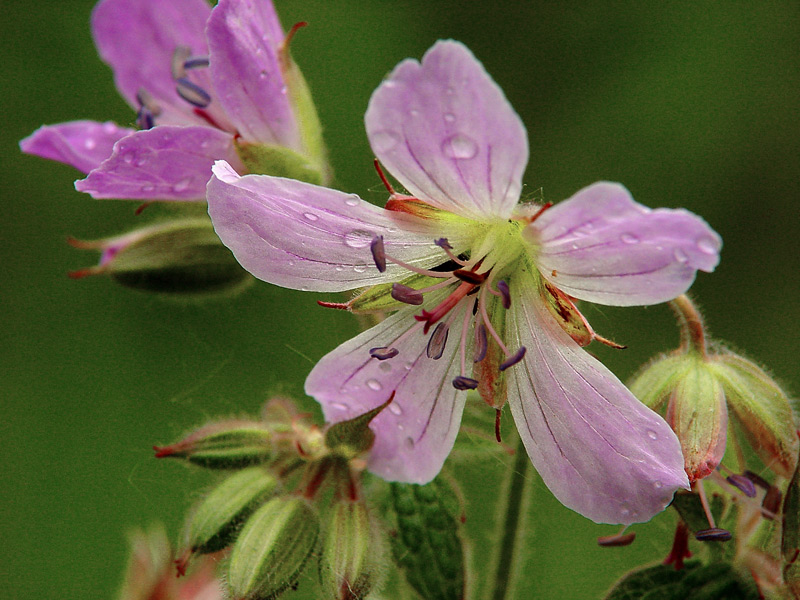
[(272, 549), (182, 258), (352, 553), (217, 518), (223, 445)]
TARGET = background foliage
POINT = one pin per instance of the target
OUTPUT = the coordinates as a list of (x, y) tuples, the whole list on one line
[(691, 105)]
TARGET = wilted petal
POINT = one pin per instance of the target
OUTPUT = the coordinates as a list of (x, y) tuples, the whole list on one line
[(599, 450), (302, 236), (243, 37), (138, 38), (81, 144), (414, 435), (447, 132), (163, 163), (603, 247)]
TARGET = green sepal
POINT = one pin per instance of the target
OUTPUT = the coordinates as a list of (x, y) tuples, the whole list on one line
[(378, 298), (654, 382), (278, 161), (353, 437), (790, 535), (427, 545), (690, 508), (215, 522)]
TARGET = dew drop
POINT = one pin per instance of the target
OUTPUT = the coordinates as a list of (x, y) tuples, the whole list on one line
[(707, 245), (182, 185), (414, 113), (383, 141), (395, 409), (148, 188), (339, 268), (284, 90), (409, 443), (652, 434), (352, 200), (90, 144), (128, 158), (358, 238), (408, 366), (658, 485), (680, 256), (141, 162), (290, 263), (108, 127), (628, 238), (310, 216), (449, 117), (625, 510), (459, 146), (338, 406), (390, 85), (385, 366), (374, 385), (360, 268)]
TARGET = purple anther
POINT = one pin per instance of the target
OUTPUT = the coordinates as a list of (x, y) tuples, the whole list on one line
[(465, 383), (480, 344), (178, 64), (443, 243), (437, 341), (378, 253), (383, 352), (192, 93), (772, 500), (502, 287), (757, 479), (144, 118), (469, 276), (403, 293), (747, 487), (713, 535), (512, 360), (198, 62)]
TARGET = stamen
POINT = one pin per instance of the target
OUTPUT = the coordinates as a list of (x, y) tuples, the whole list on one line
[(198, 62), (148, 109), (481, 343), (470, 276), (497, 415), (502, 287), (744, 484), (465, 383), (488, 323), (336, 305), (385, 181), (403, 293), (447, 304), (437, 341), (617, 540), (539, 212), (383, 352), (427, 272), (178, 64), (772, 500), (511, 361), (144, 118), (445, 245), (701, 491), (463, 342), (193, 93), (757, 479), (715, 534), (378, 253)]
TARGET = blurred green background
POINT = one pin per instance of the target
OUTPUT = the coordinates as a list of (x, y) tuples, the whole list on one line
[(691, 105)]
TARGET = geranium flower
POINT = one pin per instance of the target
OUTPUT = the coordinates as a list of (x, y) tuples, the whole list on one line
[(483, 288), (206, 85)]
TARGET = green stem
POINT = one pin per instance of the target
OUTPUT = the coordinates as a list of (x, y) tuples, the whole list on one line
[(693, 335), (512, 514)]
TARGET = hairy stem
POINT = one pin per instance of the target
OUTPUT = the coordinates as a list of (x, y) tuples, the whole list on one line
[(693, 334)]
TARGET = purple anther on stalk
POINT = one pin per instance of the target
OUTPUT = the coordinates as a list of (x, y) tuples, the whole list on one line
[(383, 352), (403, 293), (197, 62), (757, 479), (502, 287), (192, 93), (144, 118), (714, 534), (465, 383), (378, 253), (178, 64), (437, 341), (443, 243), (514, 359), (480, 343), (747, 487)]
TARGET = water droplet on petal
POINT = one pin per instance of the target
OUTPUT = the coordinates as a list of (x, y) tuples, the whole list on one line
[(352, 200), (128, 158), (707, 245), (395, 409), (628, 238), (680, 256), (310, 216), (339, 268), (90, 144), (148, 188), (182, 185), (652, 434), (141, 162), (625, 510), (338, 406), (390, 84), (385, 366), (108, 127), (360, 268), (459, 146), (383, 141), (374, 385), (449, 117), (358, 238), (408, 366), (409, 443), (414, 113), (658, 485)]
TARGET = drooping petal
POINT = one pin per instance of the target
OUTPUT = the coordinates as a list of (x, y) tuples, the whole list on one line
[(243, 38), (603, 247), (600, 451), (414, 435), (80, 144), (447, 132), (302, 236), (138, 38), (163, 163)]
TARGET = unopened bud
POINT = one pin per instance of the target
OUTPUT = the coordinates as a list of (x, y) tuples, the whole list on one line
[(272, 549), (352, 553), (218, 517), (223, 445)]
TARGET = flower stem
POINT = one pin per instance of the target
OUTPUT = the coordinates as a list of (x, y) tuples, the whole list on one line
[(511, 509), (693, 334)]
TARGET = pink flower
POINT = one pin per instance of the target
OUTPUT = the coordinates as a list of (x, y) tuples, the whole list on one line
[(483, 288)]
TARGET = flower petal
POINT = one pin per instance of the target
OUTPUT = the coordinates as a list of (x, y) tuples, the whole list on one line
[(138, 38), (603, 247), (163, 163), (414, 435), (81, 144), (302, 236), (447, 132), (600, 451), (244, 37)]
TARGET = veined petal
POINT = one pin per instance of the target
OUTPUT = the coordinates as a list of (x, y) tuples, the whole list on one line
[(80, 144), (138, 38), (447, 132), (416, 432), (163, 163), (600, 451), (303, 236), (603, 247), (244, 37)]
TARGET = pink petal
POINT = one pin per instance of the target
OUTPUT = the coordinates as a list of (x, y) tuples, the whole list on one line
[(416, 432), (448, 134), (602, 246), (307, 237), (137, 38), (81, 144), (244, 37), (600, 451), (163, 163)]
